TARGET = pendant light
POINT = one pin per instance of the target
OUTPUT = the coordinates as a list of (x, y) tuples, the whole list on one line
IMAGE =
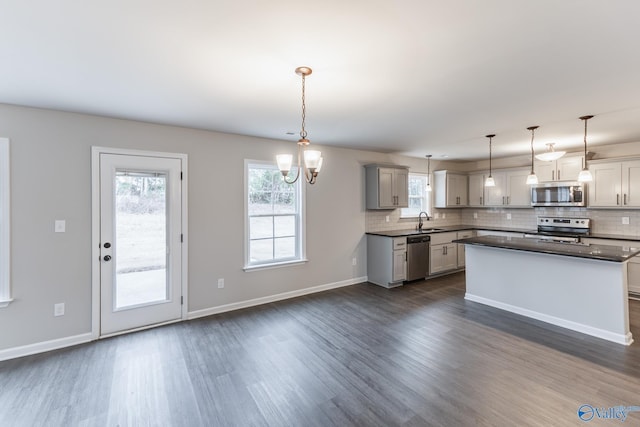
[(551, 154), (312, 158), (532, 178), (490, 182), (428, 172), (585, 174)]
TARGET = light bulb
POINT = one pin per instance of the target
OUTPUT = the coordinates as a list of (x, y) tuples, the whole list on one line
[(490, 182)]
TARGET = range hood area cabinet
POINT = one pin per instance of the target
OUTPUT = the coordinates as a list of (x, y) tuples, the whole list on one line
[(387, 186), (450, 189), (565, 168), (615, 184)]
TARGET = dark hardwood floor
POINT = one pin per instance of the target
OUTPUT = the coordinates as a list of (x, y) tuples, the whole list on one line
[(362, 355)]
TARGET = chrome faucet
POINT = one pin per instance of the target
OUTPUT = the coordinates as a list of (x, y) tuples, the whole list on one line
[(426, 215)]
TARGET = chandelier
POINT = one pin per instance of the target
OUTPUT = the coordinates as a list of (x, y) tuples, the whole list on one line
[(312, 158)]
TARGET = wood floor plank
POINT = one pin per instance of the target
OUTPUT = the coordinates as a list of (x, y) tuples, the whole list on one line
[(419, 355)]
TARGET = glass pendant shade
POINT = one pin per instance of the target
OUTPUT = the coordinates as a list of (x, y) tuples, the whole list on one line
[(284, 163), (550, 155), (312, 159), (532, 179), (490, 182), (585, 176)]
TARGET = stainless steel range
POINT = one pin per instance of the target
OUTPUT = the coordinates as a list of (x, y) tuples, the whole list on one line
[(564, 230)]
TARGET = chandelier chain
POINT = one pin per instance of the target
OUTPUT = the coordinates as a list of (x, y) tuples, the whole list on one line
[(303, 132)]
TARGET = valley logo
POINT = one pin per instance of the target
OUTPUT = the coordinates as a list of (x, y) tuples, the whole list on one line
[(587, 412)]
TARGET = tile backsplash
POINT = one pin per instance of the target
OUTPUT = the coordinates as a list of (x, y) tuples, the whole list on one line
[(603, 221)]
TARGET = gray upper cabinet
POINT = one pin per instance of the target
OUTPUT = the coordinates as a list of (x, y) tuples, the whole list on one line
[(451, 189), (476, 190), (387, 186)]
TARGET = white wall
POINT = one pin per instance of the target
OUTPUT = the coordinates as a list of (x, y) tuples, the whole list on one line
[(51, 179)]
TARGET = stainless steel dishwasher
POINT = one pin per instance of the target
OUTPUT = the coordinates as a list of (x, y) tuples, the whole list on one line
[(417, 257)]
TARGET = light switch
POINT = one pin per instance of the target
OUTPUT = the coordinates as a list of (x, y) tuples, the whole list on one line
[(60, 226)]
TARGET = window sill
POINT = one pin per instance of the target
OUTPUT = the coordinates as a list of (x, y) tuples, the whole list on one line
[(249, 268), (5, 303)]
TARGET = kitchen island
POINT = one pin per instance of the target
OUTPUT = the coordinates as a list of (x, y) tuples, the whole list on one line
[(579, 287)]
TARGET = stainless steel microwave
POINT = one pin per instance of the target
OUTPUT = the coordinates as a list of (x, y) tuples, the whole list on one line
[(559, 193)]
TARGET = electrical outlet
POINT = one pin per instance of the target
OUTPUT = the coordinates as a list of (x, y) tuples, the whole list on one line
[(436, 215), (220, 283), (509, 216), (625, 220), (58, 309), (444, 215), (475, 215), (60, 225), (354, 261), (386, 218)]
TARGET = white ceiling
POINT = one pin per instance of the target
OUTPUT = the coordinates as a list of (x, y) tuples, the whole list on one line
[(413, 77)]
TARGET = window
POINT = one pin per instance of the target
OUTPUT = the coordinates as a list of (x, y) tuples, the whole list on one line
[(274, 218), (419, 198), (5, 289)]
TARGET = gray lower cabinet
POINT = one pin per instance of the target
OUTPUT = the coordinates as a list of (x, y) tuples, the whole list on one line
[(386, 260), (443, 253), (461, 253)]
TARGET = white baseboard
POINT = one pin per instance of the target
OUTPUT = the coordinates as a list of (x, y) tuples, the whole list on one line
[(273, 298), (625, 339), (41, 347)]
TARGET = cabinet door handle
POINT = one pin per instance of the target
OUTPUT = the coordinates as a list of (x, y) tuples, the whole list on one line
[(444, 250), (508, 200), (481, 200), (617, 199), (624, 199), (558, 174), (553, 175)]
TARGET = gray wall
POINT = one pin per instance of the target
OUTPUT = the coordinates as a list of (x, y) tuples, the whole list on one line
[(51, 179)]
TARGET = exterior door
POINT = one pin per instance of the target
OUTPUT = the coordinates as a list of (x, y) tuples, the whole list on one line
[(140, 239)]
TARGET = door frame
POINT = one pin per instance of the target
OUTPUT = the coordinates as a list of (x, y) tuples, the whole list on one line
[(95, 233)]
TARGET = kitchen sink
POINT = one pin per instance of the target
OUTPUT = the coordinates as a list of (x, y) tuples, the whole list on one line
[(431, 230)]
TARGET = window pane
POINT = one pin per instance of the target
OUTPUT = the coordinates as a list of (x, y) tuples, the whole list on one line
[(261, 250), (273, 210), (285, 247), (260, 227), (285, 226)]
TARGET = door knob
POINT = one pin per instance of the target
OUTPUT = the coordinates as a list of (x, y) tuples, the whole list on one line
[(107, 258), (107, 245)]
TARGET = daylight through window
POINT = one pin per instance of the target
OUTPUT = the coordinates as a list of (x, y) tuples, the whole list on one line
[(419, 198), (274, 217)]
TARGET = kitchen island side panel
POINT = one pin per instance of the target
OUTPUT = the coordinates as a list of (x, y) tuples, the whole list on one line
[(588, 296)]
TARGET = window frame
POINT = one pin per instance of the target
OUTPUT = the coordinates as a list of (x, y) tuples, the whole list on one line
[(5, 225), (427, 197), (300, 220)]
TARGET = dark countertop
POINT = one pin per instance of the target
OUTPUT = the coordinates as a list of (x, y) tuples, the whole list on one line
[(597, 252), (447, 228), (444, 229)]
